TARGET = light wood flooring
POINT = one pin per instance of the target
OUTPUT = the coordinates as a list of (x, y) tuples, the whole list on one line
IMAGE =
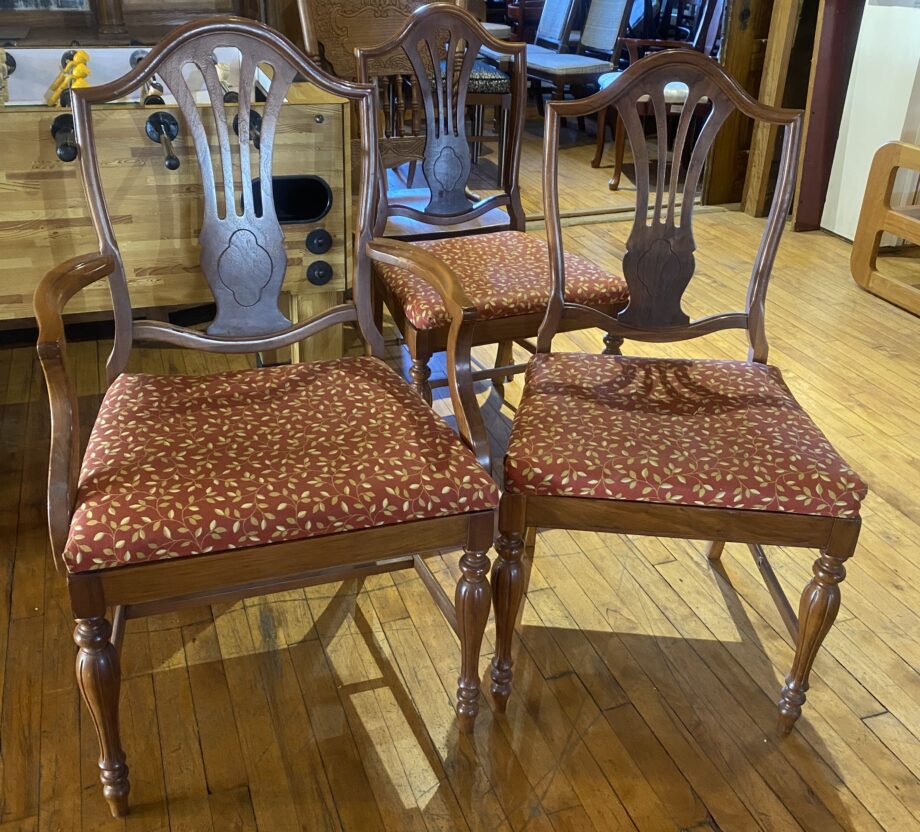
[(645, 679)]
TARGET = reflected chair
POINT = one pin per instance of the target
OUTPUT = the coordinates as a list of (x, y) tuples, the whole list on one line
[(697, 449), (704, 38), (503, 270), (194, 490), (334, 29)]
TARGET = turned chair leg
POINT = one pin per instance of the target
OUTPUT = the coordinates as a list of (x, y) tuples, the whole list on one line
[(99, 680), (613, 344), (619, 151), (419, 373), (507, 593), (817, 611), (471, 602)]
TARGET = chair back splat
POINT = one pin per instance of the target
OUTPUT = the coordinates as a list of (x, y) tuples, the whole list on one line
[(242, 256), (440, 45), (659, 263)]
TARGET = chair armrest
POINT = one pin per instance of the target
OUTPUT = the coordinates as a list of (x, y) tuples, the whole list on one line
[(439, 276), (51, 296)]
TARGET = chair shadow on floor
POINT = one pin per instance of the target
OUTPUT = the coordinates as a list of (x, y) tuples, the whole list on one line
[(662, 730)]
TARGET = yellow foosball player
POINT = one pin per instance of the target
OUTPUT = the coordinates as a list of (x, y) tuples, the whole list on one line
[(73, 74)]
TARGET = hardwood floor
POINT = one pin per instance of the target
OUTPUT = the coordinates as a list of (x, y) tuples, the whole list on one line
[(645, 679)]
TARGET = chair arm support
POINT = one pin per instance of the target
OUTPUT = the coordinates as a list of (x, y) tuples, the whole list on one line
[(439, 276), (51, 295)]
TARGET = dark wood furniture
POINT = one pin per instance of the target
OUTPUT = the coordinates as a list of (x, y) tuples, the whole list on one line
[(524, 17), (716, 450), (332, 31), (704, 39), (604, 26), (195, 490), (503, 270)]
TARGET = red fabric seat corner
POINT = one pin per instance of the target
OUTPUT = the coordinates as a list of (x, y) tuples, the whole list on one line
[(178, 466), (722, 434)]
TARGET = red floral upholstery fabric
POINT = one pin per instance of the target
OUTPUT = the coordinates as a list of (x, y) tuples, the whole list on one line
[(180, 465), (504, 273), (724, 434)]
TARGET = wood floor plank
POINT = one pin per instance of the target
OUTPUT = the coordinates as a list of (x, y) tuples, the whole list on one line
[(645, 681)]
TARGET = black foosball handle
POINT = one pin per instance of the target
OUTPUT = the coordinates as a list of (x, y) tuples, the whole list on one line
[(163, 128), (63, 135)]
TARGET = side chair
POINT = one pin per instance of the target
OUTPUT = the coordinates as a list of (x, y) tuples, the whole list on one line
[(695, 449), (195, 490), (504, 271)]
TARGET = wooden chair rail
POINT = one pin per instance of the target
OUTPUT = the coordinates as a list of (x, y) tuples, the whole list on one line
[(177, 336), (687, 522)]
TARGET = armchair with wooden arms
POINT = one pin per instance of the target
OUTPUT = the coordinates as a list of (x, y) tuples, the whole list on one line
[(704, 39), (194, 490), (714, 450), (504, 271)]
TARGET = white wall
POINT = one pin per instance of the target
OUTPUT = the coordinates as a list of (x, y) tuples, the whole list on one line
[(882, 105)]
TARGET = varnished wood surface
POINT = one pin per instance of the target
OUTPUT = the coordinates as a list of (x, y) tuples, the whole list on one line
[(645, 685), (157, 213)]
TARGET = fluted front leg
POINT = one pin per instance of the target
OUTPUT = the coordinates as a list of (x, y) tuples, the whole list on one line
[(99, 679), (472, 604), (817, 611), (507, 592)]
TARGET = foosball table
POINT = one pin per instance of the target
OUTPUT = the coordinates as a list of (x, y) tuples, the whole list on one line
[(149, 169)]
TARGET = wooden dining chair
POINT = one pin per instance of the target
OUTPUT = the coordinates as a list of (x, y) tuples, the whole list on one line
[(503, 270), (334, 29), (704, 39), (697, 449), (194, 490), (593, 56)]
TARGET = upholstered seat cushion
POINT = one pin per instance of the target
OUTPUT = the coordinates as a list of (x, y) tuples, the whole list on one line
[(179, 466), (674, 93), (486, 79), (504, 273), (565, 63), (724, 434)]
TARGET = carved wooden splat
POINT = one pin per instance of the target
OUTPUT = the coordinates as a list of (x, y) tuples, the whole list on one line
[(442, 63), (659, 263), (242, 252)]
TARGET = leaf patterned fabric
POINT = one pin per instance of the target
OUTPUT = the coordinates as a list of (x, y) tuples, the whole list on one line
[(723, 434), (179, 466), (504, 273)]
